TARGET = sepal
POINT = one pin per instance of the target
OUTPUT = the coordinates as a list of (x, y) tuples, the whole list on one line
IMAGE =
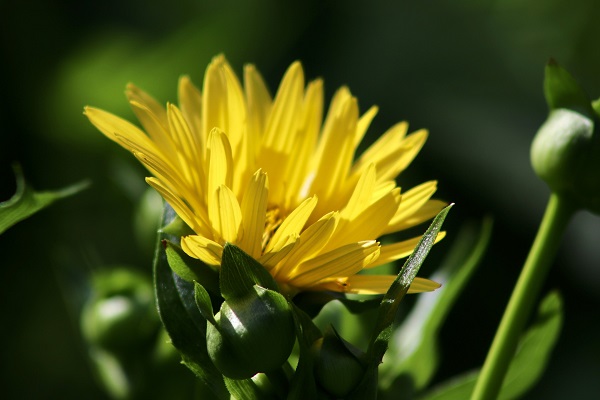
[(251, 334)]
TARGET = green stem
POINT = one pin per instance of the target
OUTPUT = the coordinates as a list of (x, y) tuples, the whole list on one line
[(524, 297)]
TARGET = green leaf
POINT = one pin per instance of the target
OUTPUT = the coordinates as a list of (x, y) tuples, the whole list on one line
[(191, 269), (563, 91), (240, 272), (180, 317), (26, 202), (389, 306), (528, 364), (391, 300), (204, 303), (413, 349)]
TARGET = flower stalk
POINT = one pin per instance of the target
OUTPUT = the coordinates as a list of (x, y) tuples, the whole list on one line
[(524, 297)]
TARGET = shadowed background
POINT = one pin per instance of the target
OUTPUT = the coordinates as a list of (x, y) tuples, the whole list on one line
[(471, 72)]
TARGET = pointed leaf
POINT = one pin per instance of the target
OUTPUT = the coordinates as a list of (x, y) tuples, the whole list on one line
[(563, 91), (413, 348), (181, 321), (391, 300), (191, 269), (528, 364), (240, 272), (26, 202), (203, 303)]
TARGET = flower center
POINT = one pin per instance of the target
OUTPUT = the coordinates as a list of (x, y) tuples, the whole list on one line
[(272, 222)]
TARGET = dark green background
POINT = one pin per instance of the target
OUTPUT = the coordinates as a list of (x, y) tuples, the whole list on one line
[(469, 71)]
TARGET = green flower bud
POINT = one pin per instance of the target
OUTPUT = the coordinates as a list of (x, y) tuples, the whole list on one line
[(251, 334), (566, 151), (120, 316), (338, 365)]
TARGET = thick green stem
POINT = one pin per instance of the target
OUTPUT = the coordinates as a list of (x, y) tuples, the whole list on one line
[(523, 298)]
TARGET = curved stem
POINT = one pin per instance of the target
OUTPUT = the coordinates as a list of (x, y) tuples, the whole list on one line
[(524, 297)]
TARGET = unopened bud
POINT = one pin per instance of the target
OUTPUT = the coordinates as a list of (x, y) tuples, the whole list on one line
[(251, 334)]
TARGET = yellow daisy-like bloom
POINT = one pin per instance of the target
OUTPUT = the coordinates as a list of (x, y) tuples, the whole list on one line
[(269, 176)]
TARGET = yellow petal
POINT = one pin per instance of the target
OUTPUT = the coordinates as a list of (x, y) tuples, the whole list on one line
[(136, 94), (225, 215), (392, 160), (254, 208), (299, 161), (282, 120), (344, 261), (190, 102), (412, 201), (420, 285), (165, 172), (219, 159), (368, 224), (292, 224), (203, 249), (363, 192), (196, 221), (396, 251), (374, 284), (214, 101), (426, 212), (259, 105), (111, 125), (308, 245), (155, 128), (235, 110), (281, 131), (363, 124), (389, 140), (270, 260), (335, 157)]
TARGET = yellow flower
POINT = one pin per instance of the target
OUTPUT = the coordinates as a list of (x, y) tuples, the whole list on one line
[(269, 176)]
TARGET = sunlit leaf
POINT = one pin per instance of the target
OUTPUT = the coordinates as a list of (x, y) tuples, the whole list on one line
[(413, 350), (391, 301), (240, 272)]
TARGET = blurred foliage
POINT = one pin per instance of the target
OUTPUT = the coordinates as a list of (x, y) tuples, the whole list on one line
[(469, 71)]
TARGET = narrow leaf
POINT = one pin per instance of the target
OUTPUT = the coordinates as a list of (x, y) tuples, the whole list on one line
[(391, 300), (26, 202), (413, 349), (528, 364), (203, 303), (240, 272)]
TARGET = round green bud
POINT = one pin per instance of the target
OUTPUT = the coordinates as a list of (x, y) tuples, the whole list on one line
[(120, 315), (251, 334), (338, 368), (566, 155)]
